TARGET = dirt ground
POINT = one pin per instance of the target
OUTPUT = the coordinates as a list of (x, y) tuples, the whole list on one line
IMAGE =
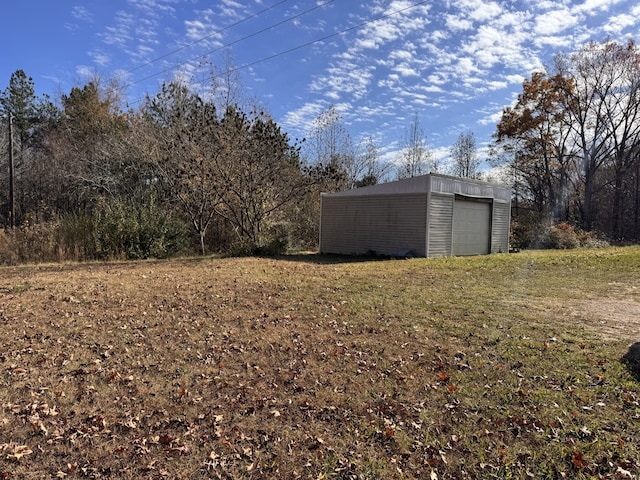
[(613, 318)]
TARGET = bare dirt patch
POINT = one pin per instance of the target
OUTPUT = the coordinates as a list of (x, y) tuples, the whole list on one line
[(613, 318), (616, 316)]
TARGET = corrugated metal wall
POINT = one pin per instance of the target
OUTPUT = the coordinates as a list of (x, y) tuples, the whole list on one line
[(385, 225), (440, 225), (500, 227)]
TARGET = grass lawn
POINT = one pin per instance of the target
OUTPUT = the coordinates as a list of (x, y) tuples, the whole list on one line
[(502, 366)]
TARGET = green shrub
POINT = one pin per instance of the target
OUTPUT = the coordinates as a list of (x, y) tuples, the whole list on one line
[(276, 240), (76, 238), (121, 229), (116, 230)]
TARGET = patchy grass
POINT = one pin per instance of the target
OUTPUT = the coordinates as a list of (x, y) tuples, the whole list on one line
[(319, 367)]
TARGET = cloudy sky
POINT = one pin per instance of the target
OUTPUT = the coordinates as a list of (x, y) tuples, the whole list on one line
[(454, 63)]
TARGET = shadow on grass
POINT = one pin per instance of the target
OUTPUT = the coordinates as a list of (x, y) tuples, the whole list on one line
[(306, 257), (331, 259), (632, 360)]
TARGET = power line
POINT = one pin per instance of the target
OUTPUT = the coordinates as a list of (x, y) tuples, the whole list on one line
[(234, 42), (292, 49), (346, 30), (206, 37)]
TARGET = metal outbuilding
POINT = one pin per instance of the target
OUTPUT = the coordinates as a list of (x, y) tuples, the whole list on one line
[(427, 216)]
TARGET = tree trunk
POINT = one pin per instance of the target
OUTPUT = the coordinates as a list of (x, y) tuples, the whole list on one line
[(587, 205), (636, 213), (616, 214), (203, 250)]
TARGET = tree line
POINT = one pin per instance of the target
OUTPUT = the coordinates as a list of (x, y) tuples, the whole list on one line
[(177, 174), (87, 178), (571, 144)]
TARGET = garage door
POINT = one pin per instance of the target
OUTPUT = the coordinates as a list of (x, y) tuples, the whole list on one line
[(471, 227)]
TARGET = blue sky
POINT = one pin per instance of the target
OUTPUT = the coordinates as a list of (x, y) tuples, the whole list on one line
[(454, 63)]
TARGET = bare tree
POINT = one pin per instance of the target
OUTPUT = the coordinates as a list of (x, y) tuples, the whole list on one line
[(593, 74), (369, 169), (464, 155), (226, 88), (573, 137), (415, 157), (622, 116), (329, 145)]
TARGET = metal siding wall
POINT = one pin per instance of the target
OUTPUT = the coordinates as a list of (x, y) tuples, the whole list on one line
[(384, 224), (500, 227), (440, 225)]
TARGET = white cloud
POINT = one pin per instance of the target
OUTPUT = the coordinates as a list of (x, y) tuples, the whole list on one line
[(496, 85), (437, 78), (486, 11), (120, 33), (301, 118), (466, 66), (402, 55), (456, 23), (231, 4), (100, 58), (453, 55), (374, 112), (81, 13), (515, 79), (85, 71), (153, 8), (618, 23), (406, 71), (592, 6), (491, 118), (231, 9), (554, 22), (479, 10)]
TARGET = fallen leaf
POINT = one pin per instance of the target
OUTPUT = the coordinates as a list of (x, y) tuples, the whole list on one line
[(622, 473), (577, 459), (19, 451)]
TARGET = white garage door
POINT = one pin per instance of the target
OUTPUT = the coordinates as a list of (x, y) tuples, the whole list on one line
[(471, 227)]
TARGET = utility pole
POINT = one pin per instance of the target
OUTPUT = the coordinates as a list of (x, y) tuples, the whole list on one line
[(12, 202)]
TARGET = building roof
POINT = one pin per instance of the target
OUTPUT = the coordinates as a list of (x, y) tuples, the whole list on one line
[(434, 183)]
